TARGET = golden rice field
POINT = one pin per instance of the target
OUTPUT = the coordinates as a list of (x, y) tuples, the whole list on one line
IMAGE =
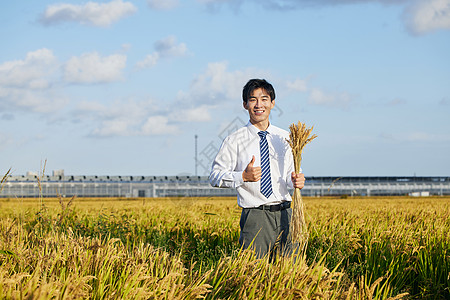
[(187, 248)]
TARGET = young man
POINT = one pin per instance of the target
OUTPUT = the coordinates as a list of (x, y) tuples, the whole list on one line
[(257, 161)]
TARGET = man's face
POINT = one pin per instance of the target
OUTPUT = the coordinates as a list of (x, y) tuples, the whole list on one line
[(258, 106)]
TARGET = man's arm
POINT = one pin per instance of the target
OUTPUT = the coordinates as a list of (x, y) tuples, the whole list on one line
[(223, 173)]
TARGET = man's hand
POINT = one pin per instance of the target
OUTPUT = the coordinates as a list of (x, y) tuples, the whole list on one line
[(251, 173), (298, 180)]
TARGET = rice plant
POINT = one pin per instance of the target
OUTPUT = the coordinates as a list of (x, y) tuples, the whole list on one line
[(175, 248)]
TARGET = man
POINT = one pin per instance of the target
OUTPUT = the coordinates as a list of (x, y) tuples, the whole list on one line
[(257, 161)]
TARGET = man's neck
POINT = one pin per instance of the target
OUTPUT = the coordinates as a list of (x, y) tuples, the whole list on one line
[(261, 125)]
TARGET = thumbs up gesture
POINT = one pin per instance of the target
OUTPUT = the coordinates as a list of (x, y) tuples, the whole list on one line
[(251, 173)]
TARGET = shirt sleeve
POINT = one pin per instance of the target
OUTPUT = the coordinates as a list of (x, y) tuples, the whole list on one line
[(223, 173)]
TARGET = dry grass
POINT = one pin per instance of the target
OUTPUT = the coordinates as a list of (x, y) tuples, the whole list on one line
[(299, 137)]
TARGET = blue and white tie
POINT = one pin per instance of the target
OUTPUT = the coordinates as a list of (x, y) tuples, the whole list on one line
[(266, 182)]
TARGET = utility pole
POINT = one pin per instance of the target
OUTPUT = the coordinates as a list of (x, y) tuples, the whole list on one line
[(196, 137)]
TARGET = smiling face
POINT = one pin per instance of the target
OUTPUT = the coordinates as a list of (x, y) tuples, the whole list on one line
[(258, 106)]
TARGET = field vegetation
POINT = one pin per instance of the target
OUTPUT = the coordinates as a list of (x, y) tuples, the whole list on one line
[(187, 248)]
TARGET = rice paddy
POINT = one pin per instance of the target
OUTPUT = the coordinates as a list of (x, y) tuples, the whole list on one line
[(187, 248)]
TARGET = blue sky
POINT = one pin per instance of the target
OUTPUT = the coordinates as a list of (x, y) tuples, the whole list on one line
[(122, 87)]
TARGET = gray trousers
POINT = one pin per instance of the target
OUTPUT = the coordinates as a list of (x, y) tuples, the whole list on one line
[(266, 231)]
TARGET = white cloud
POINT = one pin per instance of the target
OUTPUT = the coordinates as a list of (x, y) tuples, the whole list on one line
[(427, 16), (298, 85), (29, 84), (134, 118), (198, 114), (90, 107), (168, 47), (125, 47), (91, 13), (130, 118), (195, 114), (165, 48), (163, 4), (125, 118), (149, 61), (317, 96), (33, 72), (92, 68), (116, 127), (119, 109), (293, 4), (419, 16), (35, 101), (217, 84), (337, 99), (158, 125), (216, 87)]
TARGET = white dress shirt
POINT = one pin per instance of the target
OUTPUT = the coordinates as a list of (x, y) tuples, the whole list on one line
[(235, 154)]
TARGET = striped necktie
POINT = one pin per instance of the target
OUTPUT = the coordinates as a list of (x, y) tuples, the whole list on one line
[(266, 182)]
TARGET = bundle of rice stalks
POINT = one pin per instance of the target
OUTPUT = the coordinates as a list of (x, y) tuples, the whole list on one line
[(299, 137)]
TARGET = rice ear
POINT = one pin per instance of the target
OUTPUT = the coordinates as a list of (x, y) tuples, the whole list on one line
[(299, 137)]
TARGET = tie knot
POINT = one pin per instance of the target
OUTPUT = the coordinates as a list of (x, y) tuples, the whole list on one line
[(262, 134)]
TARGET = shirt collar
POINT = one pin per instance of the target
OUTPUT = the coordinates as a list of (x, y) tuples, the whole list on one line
[(252, 128)]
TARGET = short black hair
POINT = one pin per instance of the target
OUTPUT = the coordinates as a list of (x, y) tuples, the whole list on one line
[(254, 84)]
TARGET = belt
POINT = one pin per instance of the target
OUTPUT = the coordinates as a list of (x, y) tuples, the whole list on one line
[(276, 207)]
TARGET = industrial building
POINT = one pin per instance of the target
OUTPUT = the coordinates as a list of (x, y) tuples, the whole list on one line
[(198, 186)]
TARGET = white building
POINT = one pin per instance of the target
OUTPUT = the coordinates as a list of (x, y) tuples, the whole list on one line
[(197, 186)]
